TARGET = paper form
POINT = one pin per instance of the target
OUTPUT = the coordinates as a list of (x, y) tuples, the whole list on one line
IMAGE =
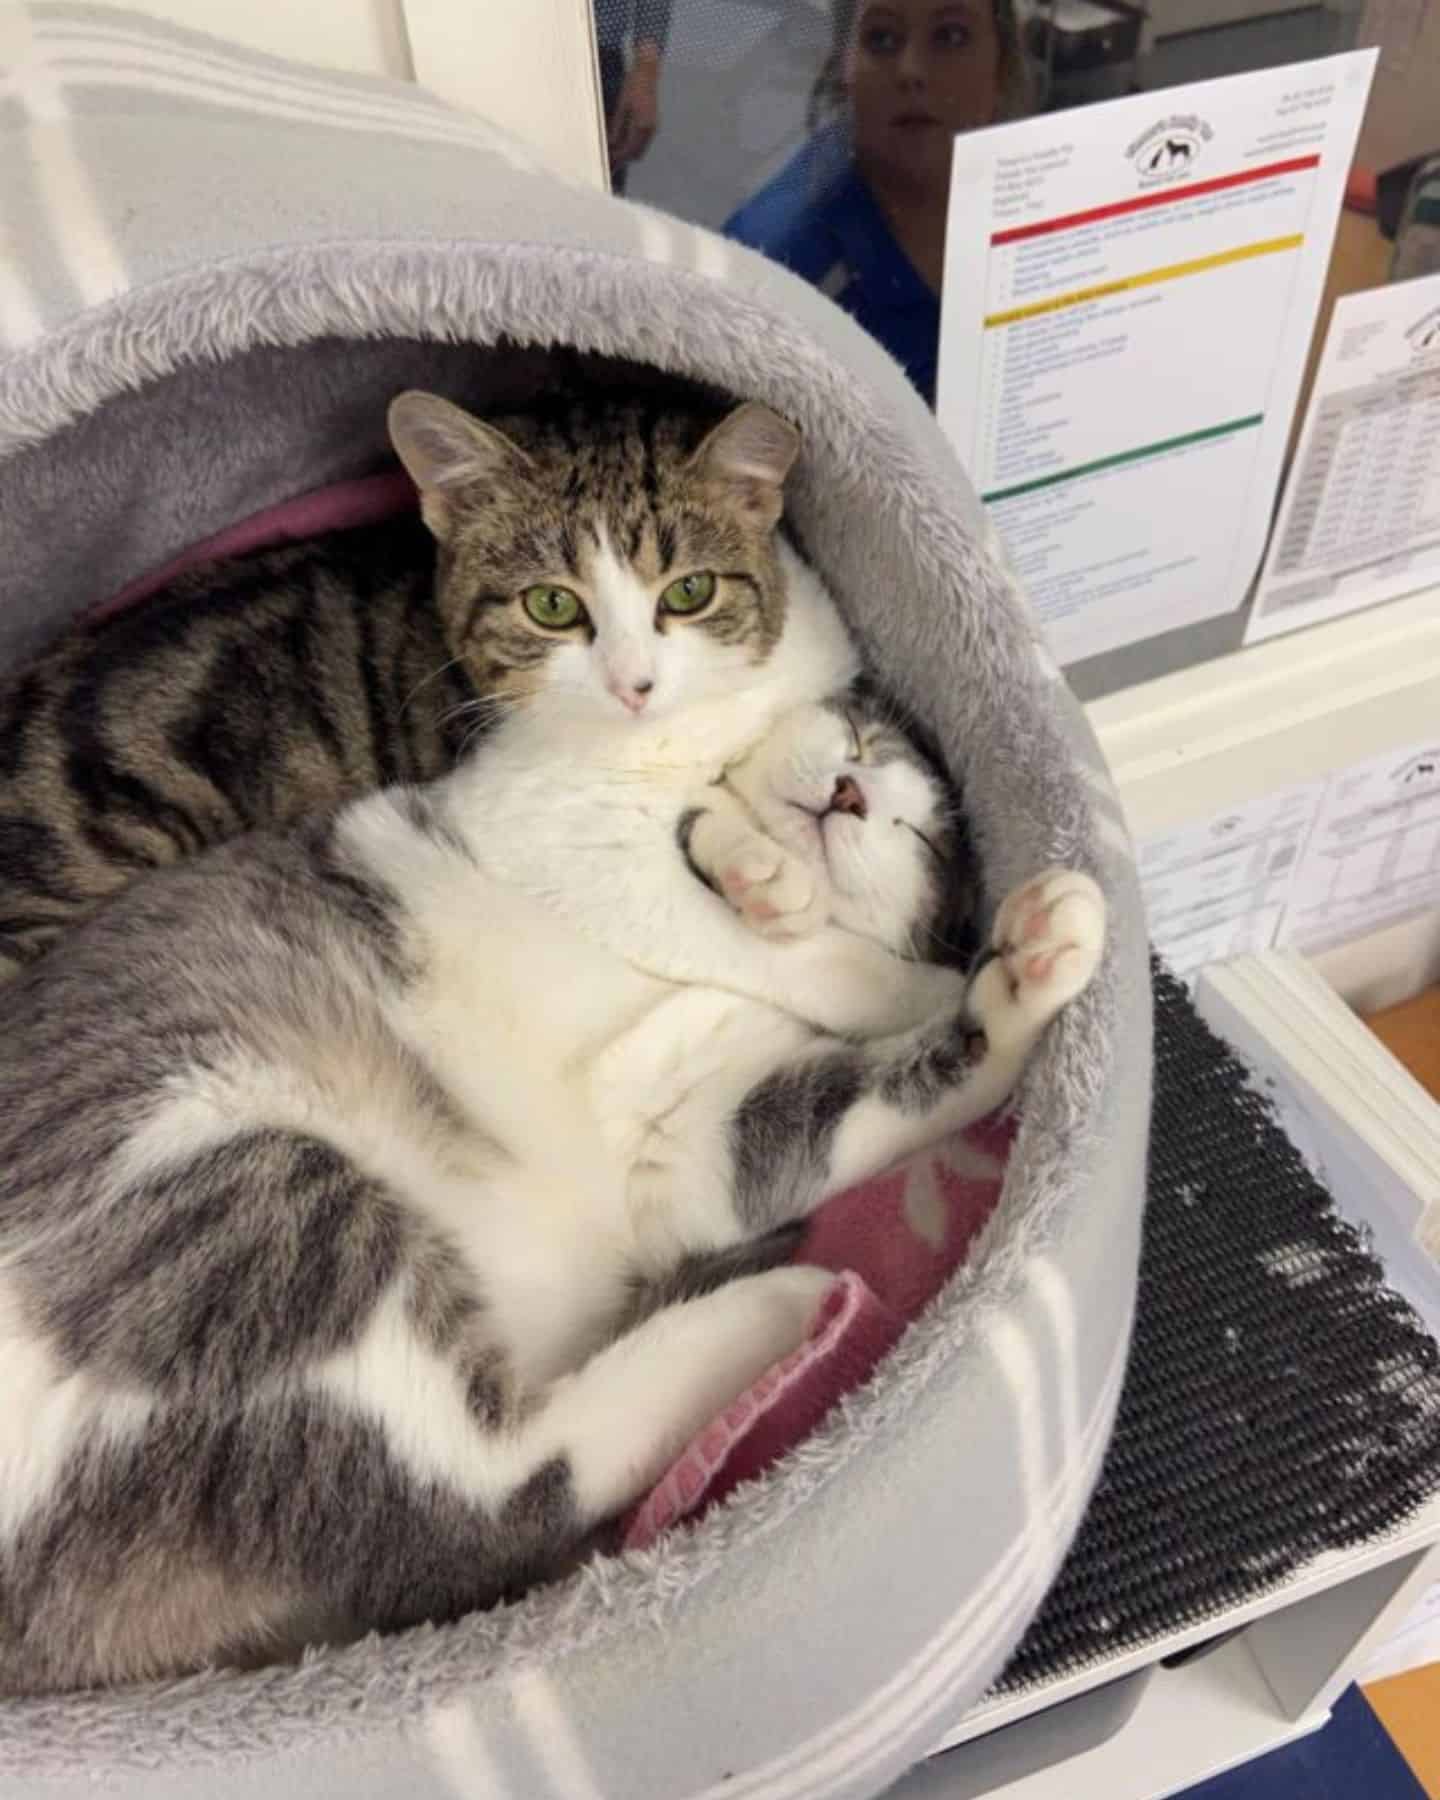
[(1219, 888), (1414, 1646), (1130, 290), (1306, 867), (1373, 857), (1360, 518)]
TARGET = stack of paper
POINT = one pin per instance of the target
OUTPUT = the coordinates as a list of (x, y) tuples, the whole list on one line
[(1414, 1646), (1362, 1122)]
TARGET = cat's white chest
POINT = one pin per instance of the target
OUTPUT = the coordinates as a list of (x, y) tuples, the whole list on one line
[(512, 1014)]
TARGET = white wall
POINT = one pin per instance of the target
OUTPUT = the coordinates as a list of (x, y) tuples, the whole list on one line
[(362, 37), (525, 65)]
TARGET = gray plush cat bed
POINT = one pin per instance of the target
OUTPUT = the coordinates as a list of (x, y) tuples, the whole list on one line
[(220, 269)]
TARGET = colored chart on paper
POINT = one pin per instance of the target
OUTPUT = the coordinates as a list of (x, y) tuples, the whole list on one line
[(1130, 291), (1360, 518)]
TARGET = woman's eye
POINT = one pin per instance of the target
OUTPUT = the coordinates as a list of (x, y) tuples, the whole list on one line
[(880, 40), (951, 37), (556, 608), (690, 594)]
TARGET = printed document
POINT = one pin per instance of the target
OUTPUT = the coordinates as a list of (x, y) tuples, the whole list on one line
[(1360, 519), (1130, 293)]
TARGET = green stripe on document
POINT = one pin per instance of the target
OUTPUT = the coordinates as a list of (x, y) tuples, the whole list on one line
[(1124, 456)]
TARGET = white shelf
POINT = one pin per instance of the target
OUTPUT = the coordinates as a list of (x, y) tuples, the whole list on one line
[(1295, 1651), (1191, 1723), (1296, 1647), (1194, 743), (1317, 1578)]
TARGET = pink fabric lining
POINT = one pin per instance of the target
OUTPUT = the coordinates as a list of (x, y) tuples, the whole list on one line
[(893, 1242), (341, 507)]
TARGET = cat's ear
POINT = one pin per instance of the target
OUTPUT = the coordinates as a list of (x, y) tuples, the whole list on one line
[(746, 459), (447, 452)]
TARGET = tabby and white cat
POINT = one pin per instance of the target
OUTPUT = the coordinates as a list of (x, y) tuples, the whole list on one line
[(369, 1235), (364, 1191), (262, 691)]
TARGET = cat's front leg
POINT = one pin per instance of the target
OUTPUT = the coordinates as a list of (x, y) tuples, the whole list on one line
[(848, 1111), (1045, 946), (852, 987), (776, 893), (834, 980), (622, 1419)]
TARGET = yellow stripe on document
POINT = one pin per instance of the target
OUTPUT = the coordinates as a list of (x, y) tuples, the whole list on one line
[(1268, 247)]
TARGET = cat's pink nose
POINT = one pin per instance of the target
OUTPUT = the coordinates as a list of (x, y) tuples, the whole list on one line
[(632, 694), (848, 797)]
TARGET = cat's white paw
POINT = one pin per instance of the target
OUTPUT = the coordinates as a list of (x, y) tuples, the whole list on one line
[(775, 893), (792, 1296), (852, 987), (1048, 936)]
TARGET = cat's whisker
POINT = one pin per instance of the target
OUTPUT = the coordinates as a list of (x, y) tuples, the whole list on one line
[(483, 703), (425, 681), (469, 738), (486, 712), (935, 938)]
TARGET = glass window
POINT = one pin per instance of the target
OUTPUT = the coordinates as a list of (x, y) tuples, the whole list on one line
[(820, 131)]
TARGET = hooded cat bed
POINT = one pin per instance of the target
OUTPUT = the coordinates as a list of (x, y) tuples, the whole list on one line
[(220, 268)]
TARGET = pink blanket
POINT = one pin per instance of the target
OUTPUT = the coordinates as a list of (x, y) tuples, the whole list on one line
[(892, 1242)]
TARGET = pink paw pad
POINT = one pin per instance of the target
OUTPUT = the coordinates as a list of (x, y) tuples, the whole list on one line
[(1037, 924)]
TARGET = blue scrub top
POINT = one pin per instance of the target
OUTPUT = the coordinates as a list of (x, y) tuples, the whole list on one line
[(819, 219)]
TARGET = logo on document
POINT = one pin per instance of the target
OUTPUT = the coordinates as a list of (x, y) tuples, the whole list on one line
[(1169, 150), (1420, 770), (1424, 334)]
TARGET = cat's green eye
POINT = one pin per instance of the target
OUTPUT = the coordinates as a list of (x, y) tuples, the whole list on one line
[(555, 608), (690, 594)]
